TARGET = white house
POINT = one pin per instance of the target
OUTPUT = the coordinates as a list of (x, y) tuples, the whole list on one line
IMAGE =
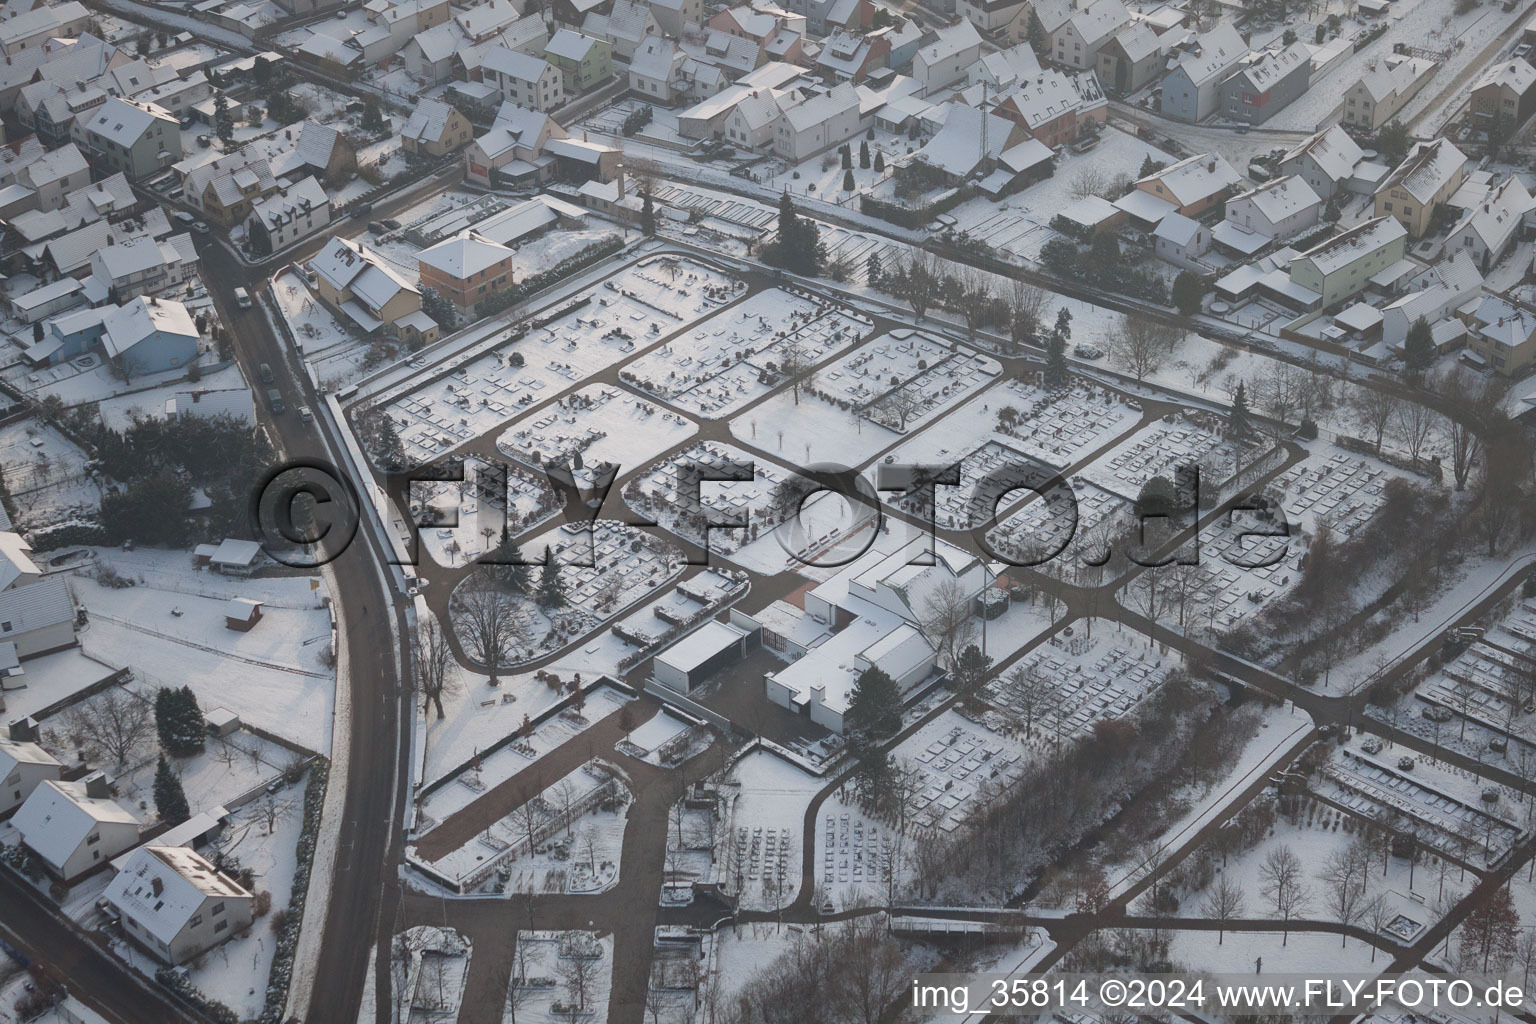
[(175, 904), (73, 828), (1192, 90), (1181, 241), (24, 766), (1326, 161), (1277, 209), (816, 120), (1077, 42), (947, 59), (37, 615), (1487, 229), (1433, 294), (530, 82), (289, 215)]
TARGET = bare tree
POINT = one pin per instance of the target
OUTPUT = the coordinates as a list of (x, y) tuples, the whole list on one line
[(1033, 692), (898, 405), (271, 808), (528, 813), (797, 367), (487, 620), (946, 619), (564, 796), (918, 280), (975, 288), (1141, 345), (1375, 410), (1283, 886), (111, 725), (1379, 913), (577, 972), (1412, 427), (434, 664), (1347, 880), (655, 993), (1472, 405), (1028, 306), (1223, 903), (874, 970)]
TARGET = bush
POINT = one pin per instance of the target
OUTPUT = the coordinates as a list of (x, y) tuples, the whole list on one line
[(286, 922)]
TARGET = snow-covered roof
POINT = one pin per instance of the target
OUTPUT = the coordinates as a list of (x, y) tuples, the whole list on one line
[(464, 256), (37, 605), (1388, 79), (1006, 67), (957, 147), (1267, 68), (55, 164), (1343, 249), (124, 121), (655, 58), (1052, 93), (699, 646), (1144, 206), (140, 317), (15, 559), (1280, 198), (822, 107), (1511, 74), (1099, 19), (58, 817), (569, 45), (242, 609), (1505, 323), (428, 121), (950, 41), (1499, 215), (1138, 40), (514, 64), (1213, 54), (301, 197), (1427, 169), (1195, 178), (1176, 229), (316, 143), (1334, 152), (161, 887), (16, 752)]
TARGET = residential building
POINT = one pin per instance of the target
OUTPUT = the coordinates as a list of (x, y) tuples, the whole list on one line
[(1130, 60), (1433, 295), (1382, 91), (325, 152), (1504, 96), (139, 139), (1342, 266), (144, 266), (530, 82), (1276, 210), (1416, 188), (1002, 70), (362, 286), (37, 615), (1266, 83), (175, 904), (1192, 185), (946, 58), (1326, 161), (811, 121), (1192, 89), (707, 117), (32, 29), (584, 62), (466, 270), (1054, 107), (1077, 42), (846, 57), (53, 176), (24, 766), (655, 71), (224, 189), (970, 141), (75, 828), (1486, 231), (147, 335), (513, 150), (289, 215), (1181, 241), (625, 27), (1503, 335), (674, 17), (50, 108), (993, 18), (435, 129)]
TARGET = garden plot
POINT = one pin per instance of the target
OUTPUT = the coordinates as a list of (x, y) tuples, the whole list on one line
[(1446, 809), (761, 831), (236, 972), (428, 970), (559, 976), (666, 493), (1339, 488), (223, 774), (628, 564), (599, 424), (1084, 679), (549, 355), (47, 475), (853, 249), (893, 384), (733, 358), (462, 520), (534, 843), (1159, 450)]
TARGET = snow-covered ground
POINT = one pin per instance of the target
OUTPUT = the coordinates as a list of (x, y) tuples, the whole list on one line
[(549, 978), (762, 831)]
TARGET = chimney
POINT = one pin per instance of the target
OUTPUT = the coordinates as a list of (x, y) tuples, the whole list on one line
[(23, 730), (96, 786), (1210, 168), (156, 885)]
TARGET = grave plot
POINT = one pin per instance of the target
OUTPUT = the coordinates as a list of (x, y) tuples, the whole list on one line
[(566, 839), (560, 976), (861, 402), (760, 832), (734, 358), (547, 354), (1158, 450), (1339, 488), (1446, 809), (629, 564), (428, 969), (1489, 684), (1061, 689), (857, 856), (1045, 525), (962, 763), (463, 520), (598, 424), (664, 492)]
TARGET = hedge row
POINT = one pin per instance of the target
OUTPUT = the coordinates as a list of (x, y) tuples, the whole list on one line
[(598, 250), (288, 930)]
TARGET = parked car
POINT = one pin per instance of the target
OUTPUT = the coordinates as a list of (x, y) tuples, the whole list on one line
[(362, 211), (201, 227), (275, 401), (183, 217), (266, 373)]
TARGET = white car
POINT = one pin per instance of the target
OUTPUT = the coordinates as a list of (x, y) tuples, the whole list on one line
[(305, 415)]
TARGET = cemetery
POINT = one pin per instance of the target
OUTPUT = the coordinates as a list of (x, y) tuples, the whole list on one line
[(593, 426), (480, 510)]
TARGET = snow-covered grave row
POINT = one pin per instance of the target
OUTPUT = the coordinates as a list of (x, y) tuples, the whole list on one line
[(1447, 823), (1091, 678), (1340, 489), (959, 760), (638, 305), (466, 517), (602, 423), (734, 358), (855, 851), (1045, 525), (1157, 450)]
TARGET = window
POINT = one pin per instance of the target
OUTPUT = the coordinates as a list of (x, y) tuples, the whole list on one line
[(93, 839), (197, 919), (218, 908), (220, 926)]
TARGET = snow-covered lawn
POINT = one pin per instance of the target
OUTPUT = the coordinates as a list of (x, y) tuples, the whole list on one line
[(170, 630), (1237, 952), (481, 514), (550, 978), (46, 475), (762, 830)]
